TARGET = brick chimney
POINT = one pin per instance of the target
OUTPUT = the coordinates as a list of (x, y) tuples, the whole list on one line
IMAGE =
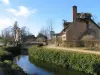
[(74, 13)]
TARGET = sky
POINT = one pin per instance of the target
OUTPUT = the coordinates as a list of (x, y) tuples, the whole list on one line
[(36, 14)]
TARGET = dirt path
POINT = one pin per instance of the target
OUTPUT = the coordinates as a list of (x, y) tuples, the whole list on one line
[(81, 50)]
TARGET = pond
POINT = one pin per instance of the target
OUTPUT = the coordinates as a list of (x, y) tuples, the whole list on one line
[(42, 68)]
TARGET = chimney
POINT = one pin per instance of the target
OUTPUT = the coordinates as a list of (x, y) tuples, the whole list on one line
[(74, 13)]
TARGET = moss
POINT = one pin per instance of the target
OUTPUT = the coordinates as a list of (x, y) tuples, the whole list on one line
[(13, 49), (2, 53), (15, 67), (88, 63), (8, 62)]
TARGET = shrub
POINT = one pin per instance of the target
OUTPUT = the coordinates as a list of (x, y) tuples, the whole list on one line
[(88, 40), (15, 67), (97, 45), (73, 44), (8, 62), (13, 49), (3, 53), (78, 61)]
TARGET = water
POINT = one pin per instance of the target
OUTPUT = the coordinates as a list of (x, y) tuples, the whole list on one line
[(33, 69)]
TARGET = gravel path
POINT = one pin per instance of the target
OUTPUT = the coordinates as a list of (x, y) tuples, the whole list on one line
[(81, 50)]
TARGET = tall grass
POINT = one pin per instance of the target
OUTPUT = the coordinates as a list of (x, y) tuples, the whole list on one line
[(88, 63)]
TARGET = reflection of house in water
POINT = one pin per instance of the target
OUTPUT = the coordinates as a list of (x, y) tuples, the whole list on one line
[(81, 25)]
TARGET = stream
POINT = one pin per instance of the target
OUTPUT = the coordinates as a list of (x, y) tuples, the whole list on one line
[(32, 69)]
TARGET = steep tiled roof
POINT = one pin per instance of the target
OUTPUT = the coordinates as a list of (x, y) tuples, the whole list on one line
[(67, 27), (95, 23), (81, 17)]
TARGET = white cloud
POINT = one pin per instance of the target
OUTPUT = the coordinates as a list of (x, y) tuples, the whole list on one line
[(5, 22), (5, 1), (22, 11)]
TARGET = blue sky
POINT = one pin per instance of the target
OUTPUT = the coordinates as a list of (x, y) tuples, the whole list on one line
[(35, 14)]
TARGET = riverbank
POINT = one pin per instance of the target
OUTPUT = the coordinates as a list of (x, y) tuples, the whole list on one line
[(7, 67), (89, 63), (75, 49), (56, 69)]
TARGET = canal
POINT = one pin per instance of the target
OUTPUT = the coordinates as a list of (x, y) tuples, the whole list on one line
[(39, 68)]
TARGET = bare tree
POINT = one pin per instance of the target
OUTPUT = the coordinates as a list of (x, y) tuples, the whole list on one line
[(7, 35), (48, 29), (24, 32), (14, 28)]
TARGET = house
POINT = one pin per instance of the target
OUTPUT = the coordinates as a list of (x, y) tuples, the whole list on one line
[(81, 25), (41, 38), (29, 38)]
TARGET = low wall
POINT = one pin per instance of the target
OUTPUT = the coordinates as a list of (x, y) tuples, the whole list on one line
[(88, 63)]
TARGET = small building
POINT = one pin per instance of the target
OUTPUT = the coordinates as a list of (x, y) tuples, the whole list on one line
[(29, 38), (41, 38), (81, 25)]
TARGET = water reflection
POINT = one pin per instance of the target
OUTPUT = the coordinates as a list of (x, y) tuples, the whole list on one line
[(46, 69), (29, 68)]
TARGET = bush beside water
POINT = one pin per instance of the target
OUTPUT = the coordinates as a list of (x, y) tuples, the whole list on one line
[(6, 65), (89, 63), (13, 49), (9, 68)]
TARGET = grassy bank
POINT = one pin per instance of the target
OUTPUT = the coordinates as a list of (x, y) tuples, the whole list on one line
[(9, 68), (6, 57), (13, 49), (88, 63), (58, 70), (5, 54)]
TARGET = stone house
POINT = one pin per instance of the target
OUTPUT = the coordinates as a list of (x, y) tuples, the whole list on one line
[(81, 25)]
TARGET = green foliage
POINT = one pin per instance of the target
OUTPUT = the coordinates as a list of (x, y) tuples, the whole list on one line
[(8, 62), (7, 66), (3, 53), (88, 63), (16, 67), (13, 49)]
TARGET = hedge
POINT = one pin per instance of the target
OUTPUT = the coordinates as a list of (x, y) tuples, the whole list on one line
[(89, 63)]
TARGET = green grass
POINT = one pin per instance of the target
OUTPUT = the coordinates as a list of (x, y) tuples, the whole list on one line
[(3, 52)]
